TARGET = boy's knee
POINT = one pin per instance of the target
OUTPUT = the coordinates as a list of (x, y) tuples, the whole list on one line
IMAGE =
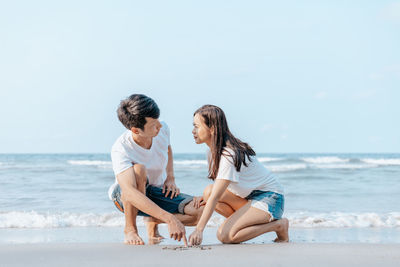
[(207, 192)]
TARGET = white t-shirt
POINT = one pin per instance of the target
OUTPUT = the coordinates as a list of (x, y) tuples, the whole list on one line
[(125, 153), (253, 177)]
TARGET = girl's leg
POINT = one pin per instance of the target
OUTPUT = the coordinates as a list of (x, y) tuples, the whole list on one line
[(228, 203), (249, 222)]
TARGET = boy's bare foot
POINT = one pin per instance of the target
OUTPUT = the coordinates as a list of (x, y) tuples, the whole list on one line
[(154, 241), (282, 231), (132, 238), (152, 230)]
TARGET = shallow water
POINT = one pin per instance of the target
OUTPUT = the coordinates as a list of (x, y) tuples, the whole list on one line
[(50, 191)]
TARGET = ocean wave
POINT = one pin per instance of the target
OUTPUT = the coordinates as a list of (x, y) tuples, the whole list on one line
[(333, 220), (33, 219), (382, 161), (325, 160), (287, 168), (266, 159), (343, 166), (344, 220), (90, 163), (100, 163), (190, 162)]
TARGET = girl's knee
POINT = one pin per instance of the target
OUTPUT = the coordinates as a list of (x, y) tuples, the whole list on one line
[(223, 235)]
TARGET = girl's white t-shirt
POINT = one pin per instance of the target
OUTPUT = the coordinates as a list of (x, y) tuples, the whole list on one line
[(125, 153), (253, 177)]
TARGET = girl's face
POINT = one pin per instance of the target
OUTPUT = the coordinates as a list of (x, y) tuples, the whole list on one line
[(201, 132)]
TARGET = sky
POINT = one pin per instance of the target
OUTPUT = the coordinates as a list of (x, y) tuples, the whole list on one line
[(291, 76)]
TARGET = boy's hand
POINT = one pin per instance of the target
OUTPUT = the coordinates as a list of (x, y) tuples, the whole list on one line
[(170, 186), (177, 230)]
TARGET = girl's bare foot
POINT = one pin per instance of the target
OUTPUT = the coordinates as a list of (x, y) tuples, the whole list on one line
[(132, 238), (282, 231)]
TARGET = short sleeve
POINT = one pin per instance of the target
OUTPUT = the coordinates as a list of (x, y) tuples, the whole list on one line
[(227, 170), (120, 161)]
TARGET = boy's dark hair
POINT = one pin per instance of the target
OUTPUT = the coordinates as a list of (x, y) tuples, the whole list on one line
[(132, 112)]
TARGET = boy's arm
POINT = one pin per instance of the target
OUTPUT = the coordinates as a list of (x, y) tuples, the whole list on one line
[(169, 184)]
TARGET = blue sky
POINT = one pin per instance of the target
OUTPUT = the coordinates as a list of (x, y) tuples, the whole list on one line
[(293, 76)]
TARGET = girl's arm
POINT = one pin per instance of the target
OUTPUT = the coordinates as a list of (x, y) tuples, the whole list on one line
[(218, 189)]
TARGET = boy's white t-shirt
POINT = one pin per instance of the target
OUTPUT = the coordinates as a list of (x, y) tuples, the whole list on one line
[(125, 153), (253, 177)]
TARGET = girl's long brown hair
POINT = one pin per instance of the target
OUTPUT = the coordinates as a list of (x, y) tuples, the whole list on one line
[(222, 138)]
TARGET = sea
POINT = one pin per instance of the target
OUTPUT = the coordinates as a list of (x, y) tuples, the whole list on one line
[(329, 198)]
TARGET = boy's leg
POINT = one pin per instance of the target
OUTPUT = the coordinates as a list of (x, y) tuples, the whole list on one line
[(190, 218), (152, 230), (192, 214), (182, 206), (131, 235)]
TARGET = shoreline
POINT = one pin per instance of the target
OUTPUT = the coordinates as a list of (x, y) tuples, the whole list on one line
[(111, 254), (115, 235)]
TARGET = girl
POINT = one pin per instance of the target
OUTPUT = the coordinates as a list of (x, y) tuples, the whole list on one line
[(244, 191)]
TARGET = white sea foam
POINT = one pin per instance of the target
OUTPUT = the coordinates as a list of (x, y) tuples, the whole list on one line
[(325, 160), (382, 161), (90, 163), (342, 166), (341, 220), (34, 219), (190, 162), (266, 159), (100, 163), (287, 168)]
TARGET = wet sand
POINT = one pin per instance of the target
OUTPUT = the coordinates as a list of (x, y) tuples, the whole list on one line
[(112, 254)]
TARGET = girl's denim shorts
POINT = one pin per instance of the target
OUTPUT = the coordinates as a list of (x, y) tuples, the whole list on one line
[(270, 202)]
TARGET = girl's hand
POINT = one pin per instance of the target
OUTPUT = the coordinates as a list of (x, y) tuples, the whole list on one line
[(198, 202), (196, 238)]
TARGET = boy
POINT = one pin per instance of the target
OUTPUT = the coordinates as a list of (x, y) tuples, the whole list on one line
[(145, 183)]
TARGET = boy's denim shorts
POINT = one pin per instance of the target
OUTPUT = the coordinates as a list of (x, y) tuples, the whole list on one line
[(270, 202), (175, 205)]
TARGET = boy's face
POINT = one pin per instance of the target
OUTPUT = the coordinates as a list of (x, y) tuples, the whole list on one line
[(151, 128)]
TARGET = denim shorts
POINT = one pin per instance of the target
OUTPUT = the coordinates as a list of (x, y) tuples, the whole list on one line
[(270, 202), (175, 205)]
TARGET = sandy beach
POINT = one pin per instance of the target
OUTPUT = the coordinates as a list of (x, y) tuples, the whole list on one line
[(111, 254)]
